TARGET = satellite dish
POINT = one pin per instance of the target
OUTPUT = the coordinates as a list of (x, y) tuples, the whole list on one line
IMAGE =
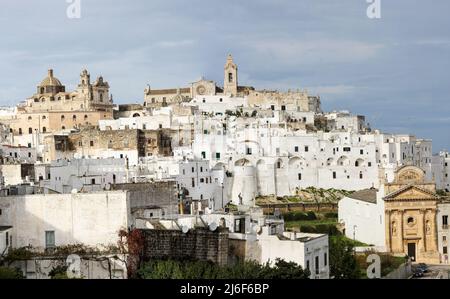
[(184, 229), (213, 226)]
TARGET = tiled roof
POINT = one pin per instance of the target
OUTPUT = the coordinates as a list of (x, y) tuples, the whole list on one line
[(367, 195)]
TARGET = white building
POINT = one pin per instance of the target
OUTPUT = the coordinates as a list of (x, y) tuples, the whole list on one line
[(45, 221), (441, 170), (362, 215), (443, 230), (261, 238)]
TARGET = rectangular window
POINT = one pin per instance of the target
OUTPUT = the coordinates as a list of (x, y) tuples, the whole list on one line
[(217, 156), (201, 168), (193, 169), (193, 182), (444, 250), (307, 265), (306, 148), (283, 107), (445, 220), (361, 152), (239, 225), (202, 180), (204, 155), (325, 259), (346, 149), (299, 176), (7, 239), (49, 239), (296, 149), (91, 143), (272, 107), (334, 174), (316, 266), (369, 164)]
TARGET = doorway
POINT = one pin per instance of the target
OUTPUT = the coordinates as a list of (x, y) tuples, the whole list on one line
[(412, 251)]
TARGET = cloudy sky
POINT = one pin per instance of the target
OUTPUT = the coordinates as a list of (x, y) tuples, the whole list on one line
[(395, 70)]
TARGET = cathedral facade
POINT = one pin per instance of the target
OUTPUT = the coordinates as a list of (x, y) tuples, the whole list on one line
[(52, 108)]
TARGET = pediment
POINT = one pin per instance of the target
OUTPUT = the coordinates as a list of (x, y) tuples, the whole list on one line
[(411, 193)]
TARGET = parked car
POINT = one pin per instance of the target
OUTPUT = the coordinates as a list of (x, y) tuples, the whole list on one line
[(423, 267), (417, 272)]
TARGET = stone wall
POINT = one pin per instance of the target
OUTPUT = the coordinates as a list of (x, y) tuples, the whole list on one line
[(200, 243), (161, 194)]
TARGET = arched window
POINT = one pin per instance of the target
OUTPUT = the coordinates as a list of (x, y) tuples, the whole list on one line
[(63, 127), (74, 117), (85, 117), (29, 117), (101, 97), (62, 117), (44, 117), (44, 130), (30, 130), (20, 131)]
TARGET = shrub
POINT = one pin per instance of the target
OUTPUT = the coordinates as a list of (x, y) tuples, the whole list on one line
[(299, 216), (308, 229), (329, 229), (192, 269), (10, 273), (331, 215)]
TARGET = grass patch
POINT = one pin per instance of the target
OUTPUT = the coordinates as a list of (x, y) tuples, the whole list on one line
[(354, 243), (389, 263)]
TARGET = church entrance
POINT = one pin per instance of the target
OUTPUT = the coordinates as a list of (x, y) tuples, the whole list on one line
[(412, 251)]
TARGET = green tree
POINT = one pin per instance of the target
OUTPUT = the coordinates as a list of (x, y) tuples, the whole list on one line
[(343, 264)]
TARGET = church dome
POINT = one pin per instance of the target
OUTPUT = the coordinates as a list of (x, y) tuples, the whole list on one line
[(50, 80)]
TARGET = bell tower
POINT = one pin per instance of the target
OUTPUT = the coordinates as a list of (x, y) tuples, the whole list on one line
[(230, 83)]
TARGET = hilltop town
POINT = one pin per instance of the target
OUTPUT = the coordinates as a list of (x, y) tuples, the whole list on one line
[(213, 171)]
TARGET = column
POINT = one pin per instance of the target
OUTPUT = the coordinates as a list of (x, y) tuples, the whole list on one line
[(424, 229), (401, 230), (387, 220)]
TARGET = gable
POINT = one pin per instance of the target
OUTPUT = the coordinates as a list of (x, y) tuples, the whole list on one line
[(411, 193)]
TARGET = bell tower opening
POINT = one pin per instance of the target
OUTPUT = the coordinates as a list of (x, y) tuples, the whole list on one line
[(230, 78)]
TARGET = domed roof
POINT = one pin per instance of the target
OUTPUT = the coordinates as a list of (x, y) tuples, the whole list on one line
[(50, 80)]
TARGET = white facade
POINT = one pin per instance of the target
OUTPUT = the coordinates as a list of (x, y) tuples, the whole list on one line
[(86, 175), (308, 250), (218, 104), (443, 231), (441, 171), (93, 219), (5, 239), (362, 216)]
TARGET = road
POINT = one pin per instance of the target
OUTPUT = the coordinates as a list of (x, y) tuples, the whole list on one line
[(436, 272)]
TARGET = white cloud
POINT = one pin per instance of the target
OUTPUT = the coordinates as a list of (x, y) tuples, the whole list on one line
[(301, 52), (334, 90)]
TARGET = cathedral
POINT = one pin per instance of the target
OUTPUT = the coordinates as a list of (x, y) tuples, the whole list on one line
[(162, 97), (52, 108)]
